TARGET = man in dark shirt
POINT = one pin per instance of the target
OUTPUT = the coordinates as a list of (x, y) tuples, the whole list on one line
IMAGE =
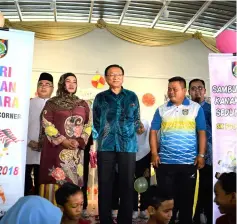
[(116, 118), (197, 92)]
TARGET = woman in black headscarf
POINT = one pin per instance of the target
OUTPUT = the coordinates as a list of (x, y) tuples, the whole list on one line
[(66, 127)]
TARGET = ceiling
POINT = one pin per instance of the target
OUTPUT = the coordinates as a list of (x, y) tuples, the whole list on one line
[(208, 17)]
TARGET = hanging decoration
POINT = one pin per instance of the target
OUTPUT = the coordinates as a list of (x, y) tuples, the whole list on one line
[(148, 99), (98, 81)]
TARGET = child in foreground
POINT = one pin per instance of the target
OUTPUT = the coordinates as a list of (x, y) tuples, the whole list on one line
[(32, 210), (160, 206), (225, 198), (69, 198)]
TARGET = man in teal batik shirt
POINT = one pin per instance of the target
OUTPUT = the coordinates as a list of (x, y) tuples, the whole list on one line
[(116, 118)]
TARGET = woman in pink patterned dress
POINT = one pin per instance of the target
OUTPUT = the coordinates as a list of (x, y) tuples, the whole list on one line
[(66, 127)]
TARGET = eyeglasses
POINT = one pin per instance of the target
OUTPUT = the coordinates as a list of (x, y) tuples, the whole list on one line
[(115, 75), (196, 88), (47, 85)]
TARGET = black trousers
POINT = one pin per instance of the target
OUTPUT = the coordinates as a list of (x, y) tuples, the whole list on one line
[(106, 173), (85, 177), (115, 194), (29, 180), (205, 197), (141, 167), (180, 181), (86, 170)]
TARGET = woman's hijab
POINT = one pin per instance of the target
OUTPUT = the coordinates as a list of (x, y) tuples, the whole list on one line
[(64, 100), (32, 210)]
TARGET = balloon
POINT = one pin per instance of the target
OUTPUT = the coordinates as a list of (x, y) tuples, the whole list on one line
[(141, 185), (226, 41)]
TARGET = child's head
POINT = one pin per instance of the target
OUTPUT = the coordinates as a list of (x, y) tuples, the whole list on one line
[(32, 210), (160, 204), (70, 199), (225, 193)]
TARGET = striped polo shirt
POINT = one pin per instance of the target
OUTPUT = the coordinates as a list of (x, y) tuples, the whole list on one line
[(178, 127)]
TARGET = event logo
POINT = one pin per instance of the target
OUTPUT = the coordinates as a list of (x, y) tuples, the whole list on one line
[(234, 69), (3, 47), (185, 111)]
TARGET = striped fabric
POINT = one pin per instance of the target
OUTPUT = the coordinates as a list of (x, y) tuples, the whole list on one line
[(48, 191)]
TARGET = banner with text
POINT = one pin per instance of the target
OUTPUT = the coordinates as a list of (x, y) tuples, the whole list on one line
[(16, 58), (223, 81)]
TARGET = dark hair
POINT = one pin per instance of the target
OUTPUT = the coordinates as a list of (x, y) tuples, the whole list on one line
[(228, 182), (65, 191), (196, 80), (113, 66), (178, 79), (156, 195)]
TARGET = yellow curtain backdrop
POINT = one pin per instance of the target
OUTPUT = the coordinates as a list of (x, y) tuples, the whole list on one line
[(136, 35), (53, 30)]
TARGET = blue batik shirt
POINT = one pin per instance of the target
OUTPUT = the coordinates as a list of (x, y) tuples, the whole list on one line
[(207, 111), (116, 118)]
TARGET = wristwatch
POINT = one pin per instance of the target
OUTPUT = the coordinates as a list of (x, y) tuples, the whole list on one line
[(201, 155)]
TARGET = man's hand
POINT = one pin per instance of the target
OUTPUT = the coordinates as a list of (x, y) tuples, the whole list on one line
[(146, 173), (200, 162), (33, 144), (155, 160), (141, 129)]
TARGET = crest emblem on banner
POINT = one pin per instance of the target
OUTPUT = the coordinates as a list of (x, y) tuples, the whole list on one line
[(234, 69), (3, 47), (185, 111)]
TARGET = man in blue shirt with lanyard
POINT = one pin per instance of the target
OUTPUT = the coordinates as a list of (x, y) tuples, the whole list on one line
[(197, 92), (175, 155), (116, 117)]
